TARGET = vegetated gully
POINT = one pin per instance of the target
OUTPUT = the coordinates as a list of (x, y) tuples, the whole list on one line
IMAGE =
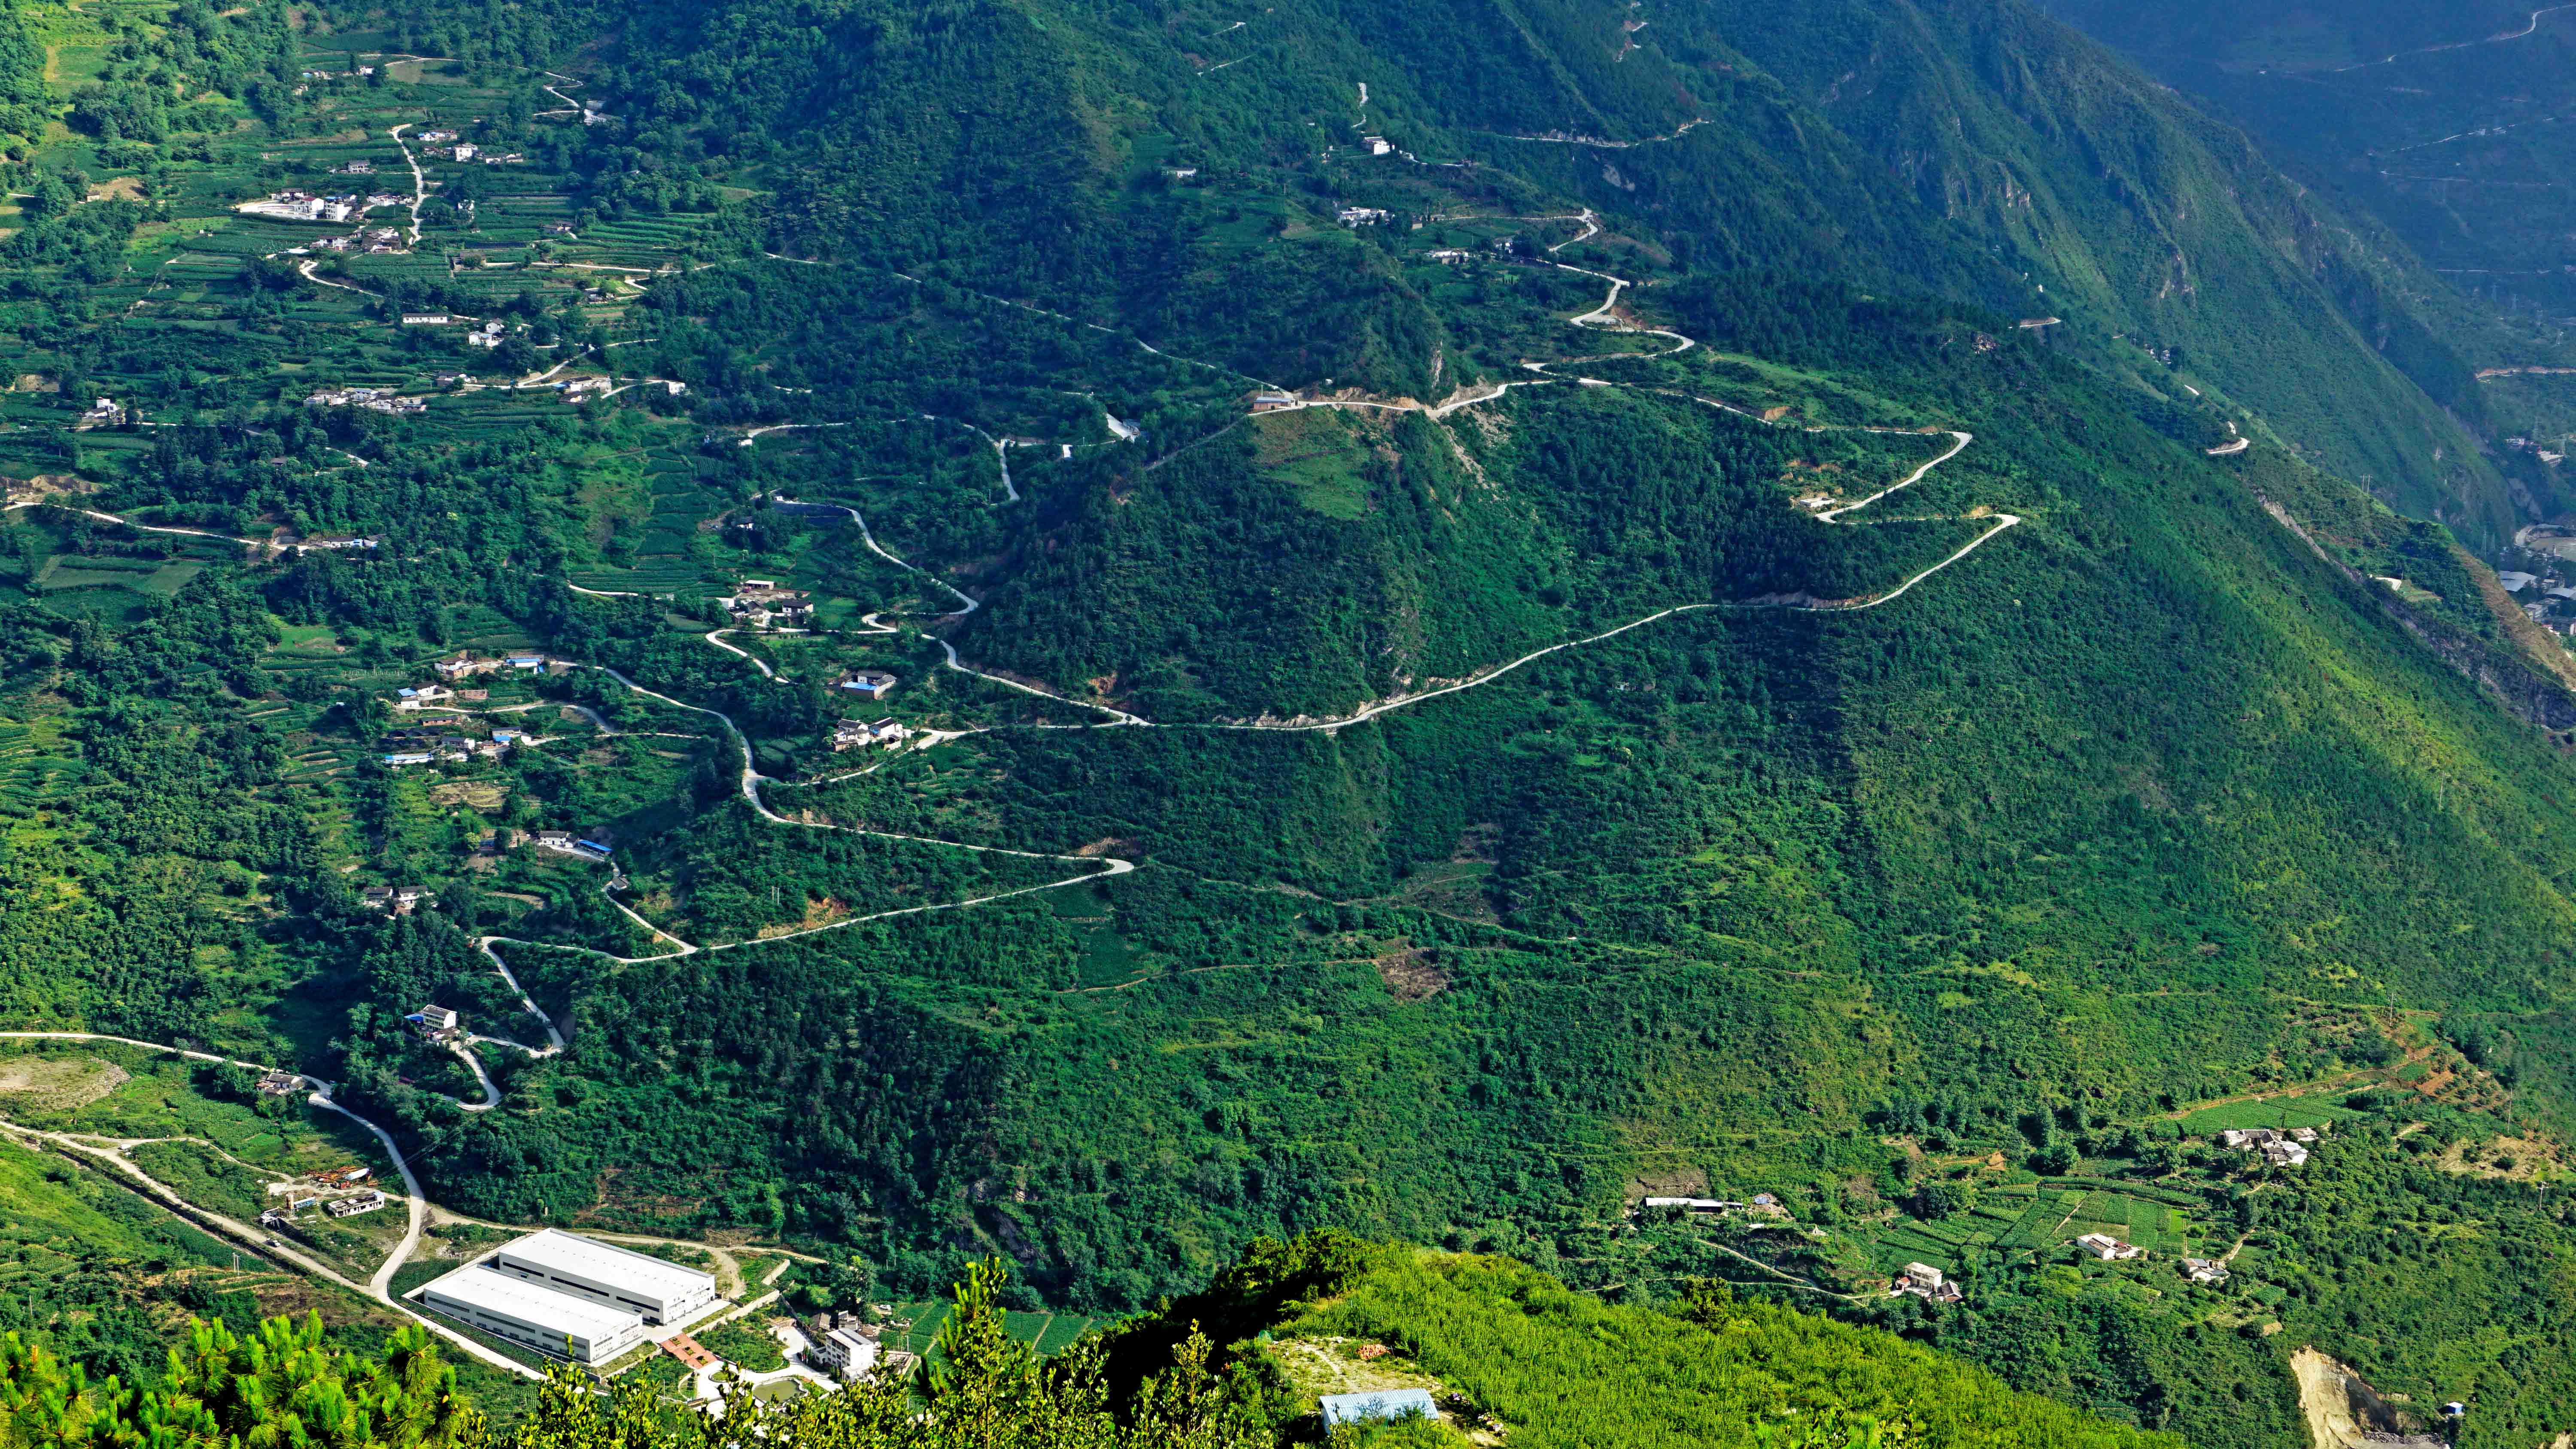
[(1603, 318)]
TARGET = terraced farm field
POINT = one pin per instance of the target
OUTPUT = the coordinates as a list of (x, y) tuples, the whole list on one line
[(1048, 1333), (2273, 1112)]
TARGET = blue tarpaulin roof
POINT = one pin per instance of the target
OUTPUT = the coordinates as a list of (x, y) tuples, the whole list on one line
[(1382, 1404)]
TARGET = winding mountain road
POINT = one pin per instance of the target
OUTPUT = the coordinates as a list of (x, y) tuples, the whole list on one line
[(379, 1286), (716, 637), (2529, 28), (419, 182), (307, 270), (1092, 867), (94, 514)]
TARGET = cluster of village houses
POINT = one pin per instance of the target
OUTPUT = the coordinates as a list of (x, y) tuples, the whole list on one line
[(424, 744), (2547, 594), (1925, 1281), (434, 737), (446, 146), (370, 399), (396, 900), (311, 1193), (437, 738), (2521, 444), (469, 664), (852, 734), (374, 240), (1453, 256), (1922, 1280), (762, 604), (571, 844), (573, 389), (306, 206), (2277, 1146)]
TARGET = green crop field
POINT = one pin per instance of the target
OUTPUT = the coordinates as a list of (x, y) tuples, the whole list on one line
[(2278, 1112)]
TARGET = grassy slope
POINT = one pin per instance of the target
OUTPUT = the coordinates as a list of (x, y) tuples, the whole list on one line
[(2427, 122), (1561, 1368)]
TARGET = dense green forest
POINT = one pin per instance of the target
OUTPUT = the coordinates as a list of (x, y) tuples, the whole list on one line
[(980, 629)]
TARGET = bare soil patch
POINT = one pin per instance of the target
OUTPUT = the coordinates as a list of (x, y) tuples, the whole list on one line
[(474, 794), (2504, 1159), (817, 913), (60, 1083), (1413, 974), (2343, 1412)]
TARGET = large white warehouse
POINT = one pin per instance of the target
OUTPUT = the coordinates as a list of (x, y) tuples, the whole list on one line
[(656, 1291), (521, 1312)]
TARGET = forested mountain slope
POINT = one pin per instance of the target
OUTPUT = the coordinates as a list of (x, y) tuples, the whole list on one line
[(2437, 121), (1090, 633), (2432, 118), (2141, 217), (1975, 148)]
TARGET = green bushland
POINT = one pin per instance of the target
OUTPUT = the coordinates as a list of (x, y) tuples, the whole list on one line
[(1509, 1346), (1520, 1346), (745, 1343)]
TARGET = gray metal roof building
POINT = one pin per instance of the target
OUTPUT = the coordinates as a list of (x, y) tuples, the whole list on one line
[(523, 1313), (656, 1290)]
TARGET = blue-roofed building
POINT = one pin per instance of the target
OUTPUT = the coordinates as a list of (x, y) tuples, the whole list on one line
[(1340, 1409)]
